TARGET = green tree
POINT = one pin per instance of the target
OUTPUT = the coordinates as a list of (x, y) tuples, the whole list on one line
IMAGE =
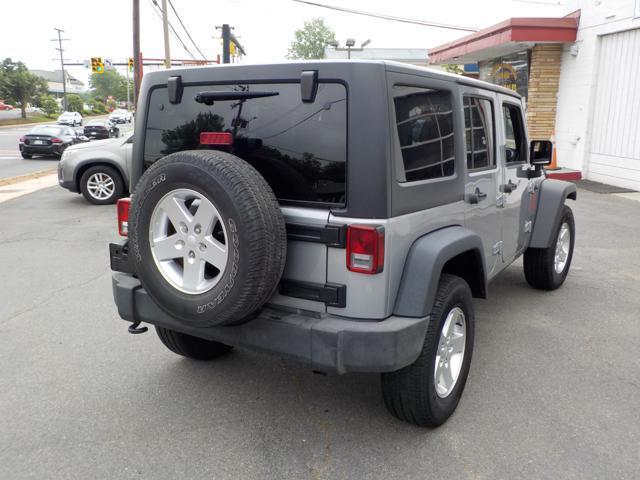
[(109, 83), (48, 105), (18, 85), (75, 103), (453, 68), (311, 40)]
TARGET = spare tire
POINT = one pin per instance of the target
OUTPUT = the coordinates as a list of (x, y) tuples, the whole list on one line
[(207, 237)]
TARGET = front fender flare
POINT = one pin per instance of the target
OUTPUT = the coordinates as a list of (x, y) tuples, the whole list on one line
[(552, 195), (424, 264)]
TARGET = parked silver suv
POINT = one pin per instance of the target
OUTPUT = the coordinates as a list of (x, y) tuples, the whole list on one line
[(339, 213), (99, 170)]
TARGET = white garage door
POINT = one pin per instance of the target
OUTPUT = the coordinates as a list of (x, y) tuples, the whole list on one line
[(615, 141)]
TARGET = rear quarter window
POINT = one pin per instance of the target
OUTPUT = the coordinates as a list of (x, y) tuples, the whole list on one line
[(424, 122), (299, 148)]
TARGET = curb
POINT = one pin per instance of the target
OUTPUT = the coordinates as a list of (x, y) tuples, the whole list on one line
[(28, 176)]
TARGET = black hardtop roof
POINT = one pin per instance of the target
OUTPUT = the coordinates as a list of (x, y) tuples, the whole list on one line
[(283, 69)]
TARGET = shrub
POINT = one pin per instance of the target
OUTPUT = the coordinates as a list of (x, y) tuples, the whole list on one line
[(48, 105), (75, 103)]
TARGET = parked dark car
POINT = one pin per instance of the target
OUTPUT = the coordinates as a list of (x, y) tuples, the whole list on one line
[(96, 129), (49, 140)]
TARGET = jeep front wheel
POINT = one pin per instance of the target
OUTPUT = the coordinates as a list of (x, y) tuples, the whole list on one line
[(547, 268), (427, 392), (207, 237)]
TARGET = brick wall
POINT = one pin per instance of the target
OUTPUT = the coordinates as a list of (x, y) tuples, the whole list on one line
[(544, 77)]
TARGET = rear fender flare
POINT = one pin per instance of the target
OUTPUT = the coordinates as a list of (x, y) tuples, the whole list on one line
[(423, 267)]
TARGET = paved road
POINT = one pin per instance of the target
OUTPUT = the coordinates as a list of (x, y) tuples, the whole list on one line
[(12, 164), (554, 388), (10, 114)]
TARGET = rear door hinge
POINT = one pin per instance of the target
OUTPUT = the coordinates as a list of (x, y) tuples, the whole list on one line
[(527, 226)]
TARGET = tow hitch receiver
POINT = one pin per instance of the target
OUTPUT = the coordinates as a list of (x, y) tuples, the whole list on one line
[(135, 329)]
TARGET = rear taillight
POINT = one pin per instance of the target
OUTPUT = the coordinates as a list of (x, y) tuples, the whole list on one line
[(56, 140), (365, 249), (123, 216)]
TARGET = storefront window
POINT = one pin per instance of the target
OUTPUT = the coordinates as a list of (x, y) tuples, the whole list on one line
[(510, 71)]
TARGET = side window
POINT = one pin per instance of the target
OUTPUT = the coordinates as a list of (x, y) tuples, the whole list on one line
[(424, 119), (478, 132), (515, 145)]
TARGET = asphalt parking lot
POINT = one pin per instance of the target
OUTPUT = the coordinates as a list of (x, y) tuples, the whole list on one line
[(553, 392)]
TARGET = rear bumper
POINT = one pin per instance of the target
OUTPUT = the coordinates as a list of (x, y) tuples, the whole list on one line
[(327, 342), (41, 149)]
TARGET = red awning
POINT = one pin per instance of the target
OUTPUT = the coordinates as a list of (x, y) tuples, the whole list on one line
[(512, 35)]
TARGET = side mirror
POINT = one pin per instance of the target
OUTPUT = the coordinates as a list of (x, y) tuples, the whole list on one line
[(540, 152)]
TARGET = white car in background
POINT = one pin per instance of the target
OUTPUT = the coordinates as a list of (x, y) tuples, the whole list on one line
[(98, 170), (121, 116), (70, 118)]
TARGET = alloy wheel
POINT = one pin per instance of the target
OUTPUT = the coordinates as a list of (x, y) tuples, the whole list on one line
[(188, 241), (450, 353), (101, 186), (563, 244)]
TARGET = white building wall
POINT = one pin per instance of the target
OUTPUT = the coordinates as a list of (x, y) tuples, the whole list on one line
[(578, 75)]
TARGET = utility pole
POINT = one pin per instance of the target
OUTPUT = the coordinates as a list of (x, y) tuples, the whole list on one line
[(64, 77), (226, 39), (165, 31), (128, 89), (137, 67)]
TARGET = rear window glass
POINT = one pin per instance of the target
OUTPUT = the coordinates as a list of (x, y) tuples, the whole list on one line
[(299, 148), (46, 130), (424, 119)]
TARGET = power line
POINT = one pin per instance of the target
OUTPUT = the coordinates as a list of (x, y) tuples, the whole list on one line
[(154, 3), (423, 23), (185, 29)]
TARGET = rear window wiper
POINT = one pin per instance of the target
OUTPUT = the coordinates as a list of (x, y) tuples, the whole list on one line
[(216, 96)]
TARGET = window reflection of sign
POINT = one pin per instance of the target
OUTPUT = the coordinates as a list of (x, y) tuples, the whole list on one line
[(505, 75)]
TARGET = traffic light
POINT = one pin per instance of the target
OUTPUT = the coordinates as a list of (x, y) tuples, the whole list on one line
[(130, 64), (97, 65), (232, 48)]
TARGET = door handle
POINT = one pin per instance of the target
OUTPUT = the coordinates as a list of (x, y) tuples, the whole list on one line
[(509, 187), (476, 196)]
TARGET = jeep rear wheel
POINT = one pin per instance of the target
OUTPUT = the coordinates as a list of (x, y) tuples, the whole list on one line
[(190, 346), (427, 392), (547, 268), (207, 237)]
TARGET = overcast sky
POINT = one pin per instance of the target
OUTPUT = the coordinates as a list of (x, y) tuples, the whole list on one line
[(265, 27)]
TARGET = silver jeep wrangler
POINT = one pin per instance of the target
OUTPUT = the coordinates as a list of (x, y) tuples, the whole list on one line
[(342, 214)]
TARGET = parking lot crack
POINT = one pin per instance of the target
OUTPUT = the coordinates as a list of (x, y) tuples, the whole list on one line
[(53, 294)]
